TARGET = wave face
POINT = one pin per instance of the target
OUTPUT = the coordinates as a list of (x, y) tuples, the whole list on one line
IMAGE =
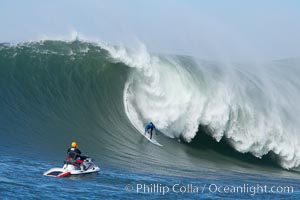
[(56, 86)]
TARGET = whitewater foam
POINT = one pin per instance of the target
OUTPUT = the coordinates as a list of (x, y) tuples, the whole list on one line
[(240, 104)]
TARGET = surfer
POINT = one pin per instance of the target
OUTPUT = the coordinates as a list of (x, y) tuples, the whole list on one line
[(149, 128)]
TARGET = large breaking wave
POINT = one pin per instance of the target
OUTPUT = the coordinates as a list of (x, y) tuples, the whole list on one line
[(254, 108)]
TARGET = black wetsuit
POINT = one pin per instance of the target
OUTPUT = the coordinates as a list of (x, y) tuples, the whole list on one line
[(75, 154)]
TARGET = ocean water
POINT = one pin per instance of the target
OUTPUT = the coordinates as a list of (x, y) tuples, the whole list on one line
[(229, 131)]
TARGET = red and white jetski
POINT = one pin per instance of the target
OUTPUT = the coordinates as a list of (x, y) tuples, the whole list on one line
[(74, 168)]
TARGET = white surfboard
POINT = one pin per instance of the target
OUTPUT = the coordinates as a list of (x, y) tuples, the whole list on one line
[(153, 141)]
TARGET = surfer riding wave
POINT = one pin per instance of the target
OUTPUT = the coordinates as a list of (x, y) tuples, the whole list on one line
[(149, 129)]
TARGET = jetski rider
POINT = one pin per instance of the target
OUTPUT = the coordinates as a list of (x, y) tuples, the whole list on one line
[(74, 154)]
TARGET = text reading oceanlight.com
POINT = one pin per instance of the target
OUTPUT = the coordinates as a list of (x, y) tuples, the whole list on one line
[(252, 190)]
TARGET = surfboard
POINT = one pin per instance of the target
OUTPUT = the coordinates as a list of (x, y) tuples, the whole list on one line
[(153, 141)]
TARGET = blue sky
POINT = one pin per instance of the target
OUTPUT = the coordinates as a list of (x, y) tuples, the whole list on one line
[(207, 29)]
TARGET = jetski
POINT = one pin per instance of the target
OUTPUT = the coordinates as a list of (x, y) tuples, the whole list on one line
[(75, 167)]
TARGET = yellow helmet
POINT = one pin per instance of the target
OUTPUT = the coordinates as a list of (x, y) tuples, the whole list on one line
[(74, 144)]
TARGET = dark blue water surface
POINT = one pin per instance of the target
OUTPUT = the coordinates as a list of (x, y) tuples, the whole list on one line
[(22, 178)]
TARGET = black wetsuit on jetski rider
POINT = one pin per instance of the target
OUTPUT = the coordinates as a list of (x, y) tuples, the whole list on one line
[(74, 153)]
